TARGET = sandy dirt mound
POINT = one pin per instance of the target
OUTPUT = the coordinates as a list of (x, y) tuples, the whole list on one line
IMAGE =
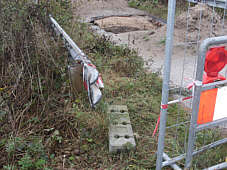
[(200, 17), (200, 10), (199, 23), (125, 24)]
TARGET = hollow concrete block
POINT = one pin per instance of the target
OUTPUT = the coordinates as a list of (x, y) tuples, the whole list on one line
[(120, 130)]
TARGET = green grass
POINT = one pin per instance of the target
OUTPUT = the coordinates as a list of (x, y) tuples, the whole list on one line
[(152, 7), (157, 8), (43, 127)]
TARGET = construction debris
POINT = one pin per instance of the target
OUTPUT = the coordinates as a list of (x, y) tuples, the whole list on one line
[(79, 64)]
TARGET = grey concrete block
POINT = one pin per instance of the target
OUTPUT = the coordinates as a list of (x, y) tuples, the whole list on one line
[(117, 108), (121, 144), (120, 129), (120, 119)]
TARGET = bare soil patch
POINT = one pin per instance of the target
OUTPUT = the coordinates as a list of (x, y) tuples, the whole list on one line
[(127, 24), (87, 9), (200, 18)]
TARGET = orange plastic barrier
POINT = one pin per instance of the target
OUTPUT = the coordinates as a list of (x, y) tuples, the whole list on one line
[(206, 106)]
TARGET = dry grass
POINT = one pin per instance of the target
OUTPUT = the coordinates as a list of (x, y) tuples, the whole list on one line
[(41, 125), (33, 84)]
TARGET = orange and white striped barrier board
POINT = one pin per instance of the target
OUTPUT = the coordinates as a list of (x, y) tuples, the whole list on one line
[(213, 105)]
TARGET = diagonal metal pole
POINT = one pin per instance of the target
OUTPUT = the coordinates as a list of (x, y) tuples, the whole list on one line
[(166, 78)]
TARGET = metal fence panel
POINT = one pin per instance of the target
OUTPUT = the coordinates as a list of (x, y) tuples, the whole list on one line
[(180, 137)]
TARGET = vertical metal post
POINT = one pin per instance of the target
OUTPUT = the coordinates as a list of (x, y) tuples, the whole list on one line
[(195, 104), (193, 123), (166, 78)]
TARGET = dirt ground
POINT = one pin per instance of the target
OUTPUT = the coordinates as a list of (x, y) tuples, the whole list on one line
[(134, 28), (87, 9)]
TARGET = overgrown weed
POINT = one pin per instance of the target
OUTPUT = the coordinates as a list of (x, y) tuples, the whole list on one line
[(40, 123), (41, 126), (34, 86)]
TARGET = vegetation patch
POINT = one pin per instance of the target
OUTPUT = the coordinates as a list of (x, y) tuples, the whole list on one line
[(157, 8), (41, 125)]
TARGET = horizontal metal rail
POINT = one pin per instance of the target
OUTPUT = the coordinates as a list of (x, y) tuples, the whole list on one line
[(211, 124), (214, 85), (213, 3), (174, 166), (202, 149), (218, 166), (173, 160)]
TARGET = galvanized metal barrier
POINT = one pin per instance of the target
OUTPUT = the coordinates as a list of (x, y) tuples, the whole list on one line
[(198, 88), (177, 138)]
